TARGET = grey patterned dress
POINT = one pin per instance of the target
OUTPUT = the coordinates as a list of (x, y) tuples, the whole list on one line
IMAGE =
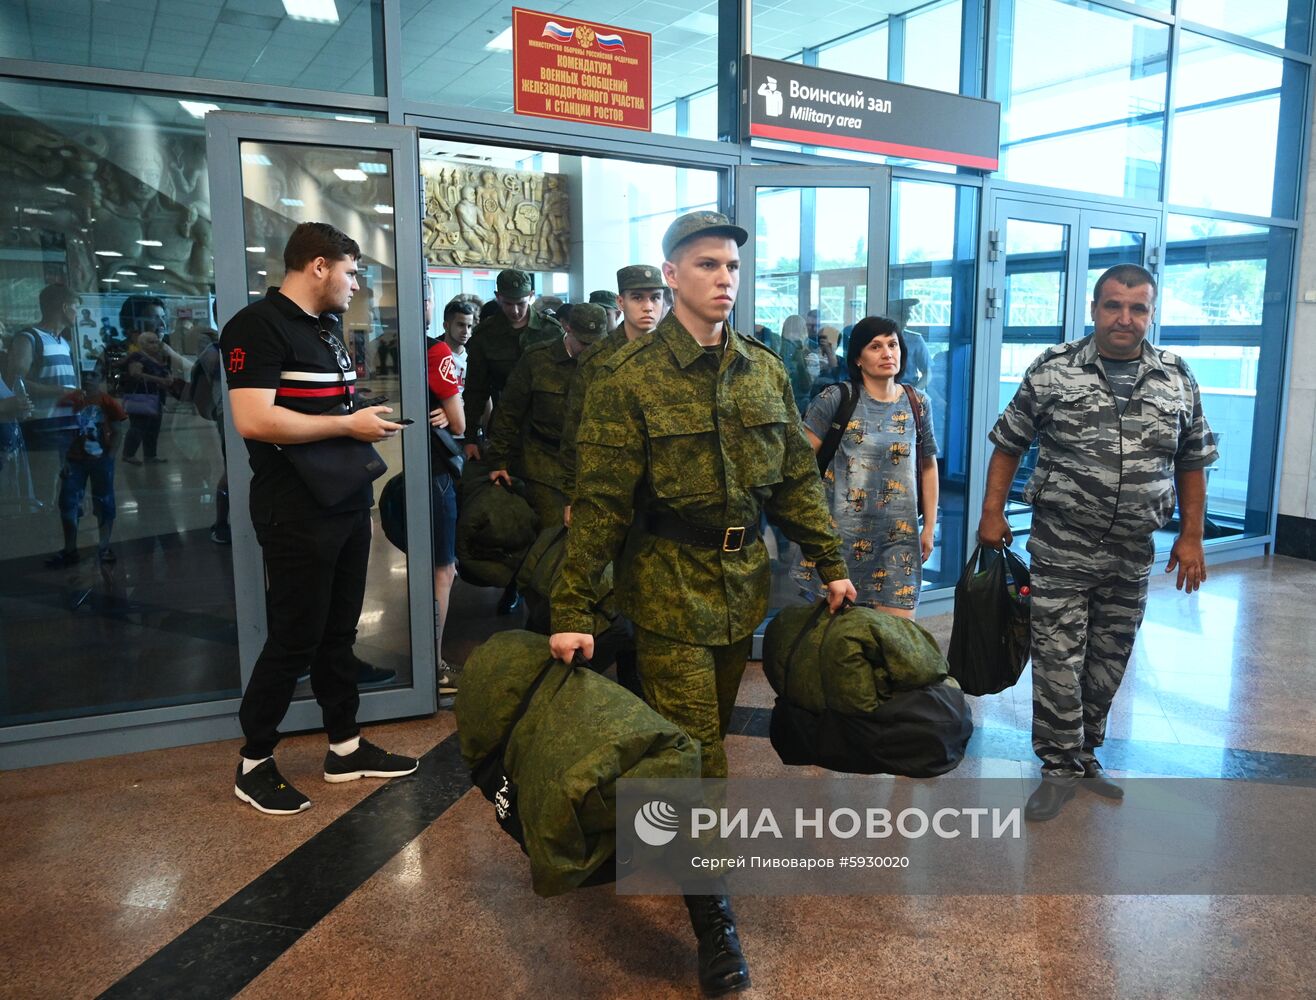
[(871, 491)]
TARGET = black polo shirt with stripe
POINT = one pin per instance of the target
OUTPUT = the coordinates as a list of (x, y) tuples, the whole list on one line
[(274, 344)]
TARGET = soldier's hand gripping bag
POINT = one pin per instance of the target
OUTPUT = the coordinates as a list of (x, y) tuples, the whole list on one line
[(546, 742), (989, 642), (864, 692)]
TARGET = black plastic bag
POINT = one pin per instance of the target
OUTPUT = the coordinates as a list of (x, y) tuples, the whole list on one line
[(989, 641)]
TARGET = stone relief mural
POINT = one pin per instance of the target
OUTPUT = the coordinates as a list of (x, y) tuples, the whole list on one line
[(481, 216)]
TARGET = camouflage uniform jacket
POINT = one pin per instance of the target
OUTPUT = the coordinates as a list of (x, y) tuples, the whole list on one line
[(492, 352), (526, 434), (712, 438), (589, 365), (1102, 476)]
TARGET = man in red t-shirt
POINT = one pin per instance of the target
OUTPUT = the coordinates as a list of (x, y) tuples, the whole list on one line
[(445, 386)]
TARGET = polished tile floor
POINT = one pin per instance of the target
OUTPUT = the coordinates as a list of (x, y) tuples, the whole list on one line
[(141, 875)]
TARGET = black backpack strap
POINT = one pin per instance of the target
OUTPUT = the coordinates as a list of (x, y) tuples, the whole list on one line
[(827, 450)]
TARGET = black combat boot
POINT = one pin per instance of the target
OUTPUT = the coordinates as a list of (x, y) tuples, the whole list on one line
[(722, 966)]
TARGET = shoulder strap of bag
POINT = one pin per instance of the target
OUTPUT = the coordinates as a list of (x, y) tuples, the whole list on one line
[(795, 646), (918, 439), (827, 451)]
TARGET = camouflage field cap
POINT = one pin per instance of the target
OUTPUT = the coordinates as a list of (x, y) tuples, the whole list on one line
[(514, 284), (604, 298), (693, 224), (639, 276), (587, 322)]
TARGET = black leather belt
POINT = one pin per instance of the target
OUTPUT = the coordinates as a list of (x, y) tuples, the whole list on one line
[(674, 529)]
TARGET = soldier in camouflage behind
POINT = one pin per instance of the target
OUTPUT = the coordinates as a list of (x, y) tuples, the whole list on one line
[(526, 438), (1121, 435), (689, 436), (495, 346), (603, 297), (641, 302)]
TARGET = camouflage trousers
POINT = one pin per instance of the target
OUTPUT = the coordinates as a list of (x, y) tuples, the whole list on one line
[(1085, 615), (694, 687)]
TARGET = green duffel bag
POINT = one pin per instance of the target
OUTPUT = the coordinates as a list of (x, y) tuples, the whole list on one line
[(546, 743), (539, 571), (495, 529), (852, 661), (862, 691)]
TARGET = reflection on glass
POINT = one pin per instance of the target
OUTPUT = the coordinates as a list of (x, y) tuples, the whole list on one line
[(1257, 101), (116, 582), (284, 185), (1286, 24), (1036, 296), (931, 293), (1216, 311), (340, 53), (1084, 99)]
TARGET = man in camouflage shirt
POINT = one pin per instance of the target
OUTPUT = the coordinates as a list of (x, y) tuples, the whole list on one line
[(640, 300), (688, 437), (527, 431), (1122, 434), (497, 344)]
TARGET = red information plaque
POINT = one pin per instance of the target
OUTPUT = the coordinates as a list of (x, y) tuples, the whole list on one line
[(581, 71)]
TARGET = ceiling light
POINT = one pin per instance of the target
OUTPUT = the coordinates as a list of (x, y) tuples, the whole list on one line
[(374, 168), (353, 118), (262, 273), (140, 285), (350, 173), (292, 202), (59, 190), (256, 159), (255, 249), (198, 109), (126, 274), (109, 281), (36, 211), (156, 267), (319, 11), (149, 243), (501, 42), (384, 209), (108, 253), (253, 293)]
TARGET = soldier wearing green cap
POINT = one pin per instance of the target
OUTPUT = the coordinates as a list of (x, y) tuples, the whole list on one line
[(640, 301), (608, 301), (497, 343), (688, 438), (526, 435)]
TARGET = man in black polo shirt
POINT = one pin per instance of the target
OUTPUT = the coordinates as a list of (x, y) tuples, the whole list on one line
[(291, 381)]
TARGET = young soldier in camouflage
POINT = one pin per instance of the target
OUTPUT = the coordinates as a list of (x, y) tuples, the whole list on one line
[(696, 427), (527, 426), (640, 300), (497, 344), (1122, 434)]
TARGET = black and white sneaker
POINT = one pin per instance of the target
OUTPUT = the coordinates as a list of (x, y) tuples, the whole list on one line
[(367, 761), (264, 788)]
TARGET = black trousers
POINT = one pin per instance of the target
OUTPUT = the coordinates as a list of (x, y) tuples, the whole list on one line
[(315, 572)]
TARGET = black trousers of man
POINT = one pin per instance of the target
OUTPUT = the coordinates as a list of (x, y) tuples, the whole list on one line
[(315, 572)]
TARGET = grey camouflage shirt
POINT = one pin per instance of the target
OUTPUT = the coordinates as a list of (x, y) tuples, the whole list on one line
[(1100, 474)]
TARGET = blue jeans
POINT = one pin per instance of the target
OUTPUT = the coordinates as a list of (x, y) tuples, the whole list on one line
[(73, 486)]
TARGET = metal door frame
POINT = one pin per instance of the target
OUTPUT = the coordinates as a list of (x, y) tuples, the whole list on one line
[(877, 179), (225, 131), (1081, 217)]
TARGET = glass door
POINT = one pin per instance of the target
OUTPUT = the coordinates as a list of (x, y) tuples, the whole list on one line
[(816, 264), (1042, 263), (268, 175)]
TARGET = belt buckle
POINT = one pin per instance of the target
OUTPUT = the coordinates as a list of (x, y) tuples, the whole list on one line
[(737, 533)]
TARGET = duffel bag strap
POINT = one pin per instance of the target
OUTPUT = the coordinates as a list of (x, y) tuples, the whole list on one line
[(795, 646)]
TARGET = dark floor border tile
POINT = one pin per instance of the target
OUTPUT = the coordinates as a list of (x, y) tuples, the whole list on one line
[(1295, 536), (224, 951), (1163, 759)]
